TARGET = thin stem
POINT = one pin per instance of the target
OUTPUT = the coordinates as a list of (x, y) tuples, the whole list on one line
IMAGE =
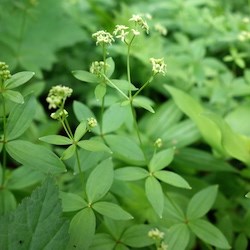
[(79, 167), (119, 90), (66, 129), (102, 112), (4, 143), (143, 86)]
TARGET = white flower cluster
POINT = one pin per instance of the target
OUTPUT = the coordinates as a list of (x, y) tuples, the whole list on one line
[(92, 122), (244, 36), (158, 143), (158, 66), (103, 37), (156, 234), (121, 32), (57, 95), (97, 68), (162, 246), (161, 29), (140, 21), (59, 114)]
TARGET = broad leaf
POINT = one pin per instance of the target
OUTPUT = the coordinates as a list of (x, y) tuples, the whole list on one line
[(34, 225), (85, 76), (7, 202), (122, 84), (110, 67), (69, 152), (100, 91), (35, 156), (177, 237), (82, 230), (172, 178), (72, 202), (18, 79), (161, 159), (143, 102), (111, 210), (80, 130), (201, 202), (20, 118), (208, 233), (103, 241), (93, 145), (13, 96), (137, 236), (100, 181), (131, 173), (155, 194), (56, 139)]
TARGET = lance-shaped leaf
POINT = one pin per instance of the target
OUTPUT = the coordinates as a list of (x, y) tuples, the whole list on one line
[(131, 173), (35, 156), (201, 202), (155, 194), (72, 202), (82, 229), (161, 159), (56, 139), (18, 79), (94, 146), (13, 96), (20, 118), (100, 180), (111, 210), (143, 102), (209, 233), (7, 201), (121, 84), (100, 91), (37, 223), (80, 130), (69, 152), (85, 76)]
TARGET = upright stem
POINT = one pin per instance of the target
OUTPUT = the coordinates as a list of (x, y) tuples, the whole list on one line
[(79, 168), (4, 143), (128, 65)]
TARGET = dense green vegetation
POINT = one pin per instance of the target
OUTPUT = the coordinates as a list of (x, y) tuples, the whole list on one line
[(124, 124)]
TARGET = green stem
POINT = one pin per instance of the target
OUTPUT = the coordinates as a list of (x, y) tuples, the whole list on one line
[(66, 129), (79, 168), (119, 90), (143, 86), (4, 163)]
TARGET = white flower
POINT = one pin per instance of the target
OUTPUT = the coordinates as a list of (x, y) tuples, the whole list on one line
[(97, 68), (161, 29), (120, 32), (135, 32), (158, 143), (92, 122), (155, 234), (162, 246), (59, 114), (158, 66), (103, 37), (139, 20)]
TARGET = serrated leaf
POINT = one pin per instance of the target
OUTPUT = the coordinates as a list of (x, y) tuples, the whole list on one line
[(20, 118), (82, 229), (7, 202), (137, 236), (131, 173), (172, 178), (56, 139), (100, 180), (30, 225), (161, 159), (18, 79), (35, 156), (143, 102), (208, 233), (155, 194), (72, 202), (80, 130), (94, 146), (111, 210), (178, 236), (69, 152), (13, 96), (201, 202), (85, 76)]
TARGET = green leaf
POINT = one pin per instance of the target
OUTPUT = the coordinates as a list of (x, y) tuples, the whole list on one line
[(236, 145), (72, 202), (100, 180), (241, 242), (80, 130), (100, 91), (155, 194), (20, 118), (35, 156), (172, 178), (248, 195), (114, 117), (111, 210), (85, 76), (103, 241), (137, 236), (177, 237), (7, 202), (125, 148), (208, 233), (143, 102), (110, 67), (56, 139), (130, 173), (201, 202), (161, 159), (18, 79), (69, 152), (37, 223), (193, 109), (94, 146), (82, 230), (24, 177), (122, 84), (13, 96)]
